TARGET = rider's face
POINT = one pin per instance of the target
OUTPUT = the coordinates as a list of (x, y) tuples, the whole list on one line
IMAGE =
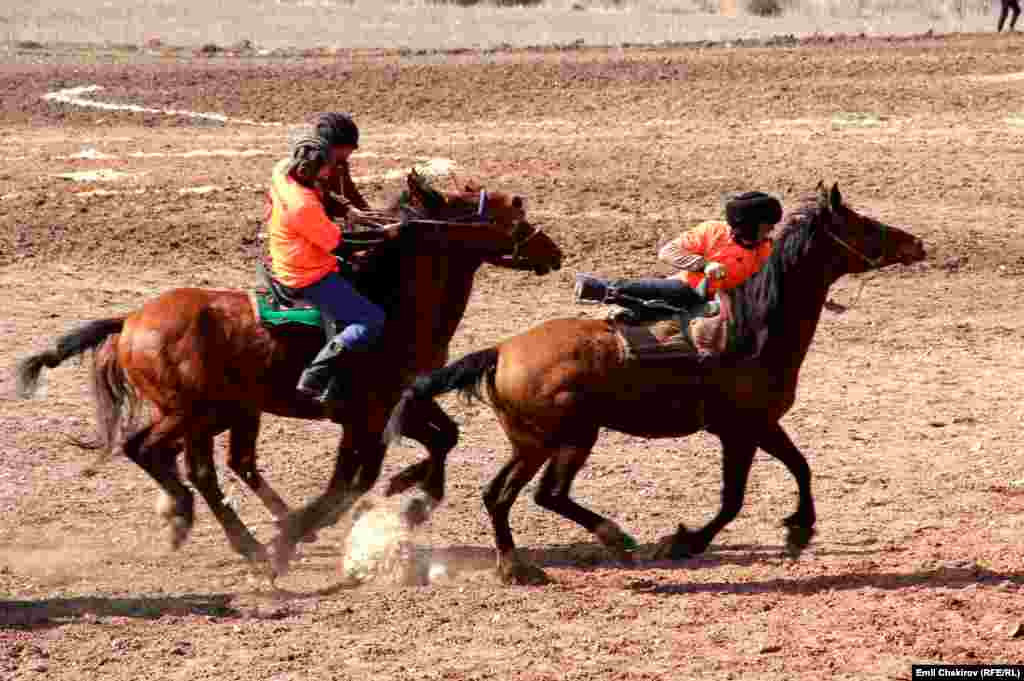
[(764, 229), (339, 153)]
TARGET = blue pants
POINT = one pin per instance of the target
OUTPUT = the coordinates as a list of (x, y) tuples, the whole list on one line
[(361, 321)]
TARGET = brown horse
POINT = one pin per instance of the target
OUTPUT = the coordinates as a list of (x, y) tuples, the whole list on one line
[(201, 363), (555, 386)]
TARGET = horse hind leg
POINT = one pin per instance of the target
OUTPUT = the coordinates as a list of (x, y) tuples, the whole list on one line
[(498, 500), (202, 473), (155, 449), (553, 494), (242, 462)]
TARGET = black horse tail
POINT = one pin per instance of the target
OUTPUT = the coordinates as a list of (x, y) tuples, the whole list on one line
[(84, 338), (468, 375), (116, 402)]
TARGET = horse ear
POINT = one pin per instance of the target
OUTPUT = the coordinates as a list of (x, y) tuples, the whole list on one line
[(835, 199), (517, 202), (824, 201)]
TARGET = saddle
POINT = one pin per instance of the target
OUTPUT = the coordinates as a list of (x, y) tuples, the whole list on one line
[(277, 305), (657, 330)]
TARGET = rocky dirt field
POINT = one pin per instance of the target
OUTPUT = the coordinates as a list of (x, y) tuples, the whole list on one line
[(910, 412)]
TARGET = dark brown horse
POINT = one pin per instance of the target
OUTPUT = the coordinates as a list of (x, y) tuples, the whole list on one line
[(199, 363), (555, 386)]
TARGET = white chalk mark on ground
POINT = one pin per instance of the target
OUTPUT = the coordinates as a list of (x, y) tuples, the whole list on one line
[(100, 175), (75, 97), (999, 77), (207, 189)]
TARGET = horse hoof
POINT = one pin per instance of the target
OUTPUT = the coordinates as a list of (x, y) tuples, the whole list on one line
[(517, 572), (680, 546), (670, 549), (621, 544), (798, 539)]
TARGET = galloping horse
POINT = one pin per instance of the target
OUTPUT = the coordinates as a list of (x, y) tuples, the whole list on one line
[(555, 386), (202, 363)]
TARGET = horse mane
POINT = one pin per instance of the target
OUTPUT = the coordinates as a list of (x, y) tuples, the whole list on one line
[(757, 302)]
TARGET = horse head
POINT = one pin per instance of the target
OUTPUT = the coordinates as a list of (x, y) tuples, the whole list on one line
[(503, 232), (863, 243)]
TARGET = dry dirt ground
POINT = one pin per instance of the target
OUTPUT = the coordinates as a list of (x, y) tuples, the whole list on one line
[(910, 412)]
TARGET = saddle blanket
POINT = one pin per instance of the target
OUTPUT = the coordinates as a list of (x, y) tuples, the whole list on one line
[(267, 311)]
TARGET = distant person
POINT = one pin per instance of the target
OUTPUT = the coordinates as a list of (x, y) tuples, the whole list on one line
[(1008, 6)]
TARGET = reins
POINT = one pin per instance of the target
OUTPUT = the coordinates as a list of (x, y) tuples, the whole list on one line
[(873, 263)]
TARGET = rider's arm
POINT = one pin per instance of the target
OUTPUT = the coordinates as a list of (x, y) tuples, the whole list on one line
[(312, 223), (684, 253), (348, 187)]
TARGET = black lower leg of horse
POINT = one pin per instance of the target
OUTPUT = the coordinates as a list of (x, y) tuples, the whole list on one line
[(1009, 7), (556, 483), (203, 475), (242, 461), (429, 425), (801, 523), (355, 482), (155, 449), (737, 458), (355, 471), (503, 490), (334, 501), (553, 494)]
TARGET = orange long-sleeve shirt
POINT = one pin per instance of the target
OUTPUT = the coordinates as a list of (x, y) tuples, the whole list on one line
[(300, 233), (713, 241)]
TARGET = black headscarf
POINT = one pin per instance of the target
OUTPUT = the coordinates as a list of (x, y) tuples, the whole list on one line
[(309, 155), (313, 149)]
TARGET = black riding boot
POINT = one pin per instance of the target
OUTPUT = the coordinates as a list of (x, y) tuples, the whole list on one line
[(319, 380)]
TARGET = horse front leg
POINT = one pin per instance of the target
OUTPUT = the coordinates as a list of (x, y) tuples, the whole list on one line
[(356, 469), (429, 425), (737, 458), (800, 524)]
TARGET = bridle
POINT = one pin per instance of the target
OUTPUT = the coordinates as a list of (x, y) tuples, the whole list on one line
[(873, 263), (480, 215)]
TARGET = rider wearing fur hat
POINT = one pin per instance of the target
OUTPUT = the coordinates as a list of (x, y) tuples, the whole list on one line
[(305, 244), (722, 254)]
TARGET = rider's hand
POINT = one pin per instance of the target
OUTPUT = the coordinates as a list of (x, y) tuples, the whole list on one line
[(715, 270)]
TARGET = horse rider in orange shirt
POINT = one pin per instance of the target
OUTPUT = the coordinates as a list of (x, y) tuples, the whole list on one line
[(305, 244), (722, 254)]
